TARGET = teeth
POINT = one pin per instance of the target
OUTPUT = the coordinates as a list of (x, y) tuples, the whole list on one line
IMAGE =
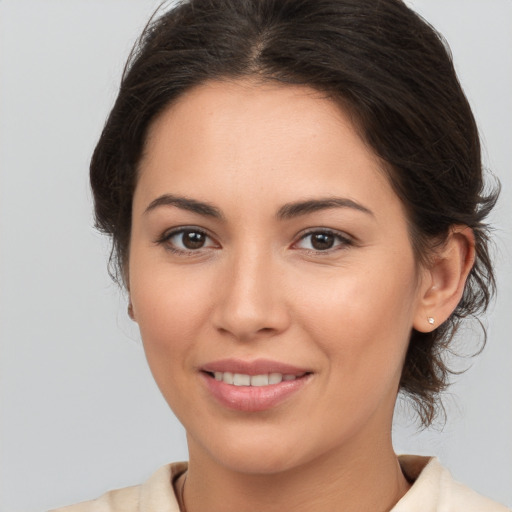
[(241, 379), (259, 380), (275, 378), (227, 377)]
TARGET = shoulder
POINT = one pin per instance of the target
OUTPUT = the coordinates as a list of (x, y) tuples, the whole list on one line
[(154, 495), (435, 490)]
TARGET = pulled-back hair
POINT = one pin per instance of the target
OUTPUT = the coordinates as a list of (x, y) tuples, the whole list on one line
[(385, 65)]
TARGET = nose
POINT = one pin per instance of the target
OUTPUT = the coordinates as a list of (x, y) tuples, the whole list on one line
[(251, 298)]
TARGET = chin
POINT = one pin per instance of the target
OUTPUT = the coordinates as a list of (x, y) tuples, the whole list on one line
[(253, 452), (258, 462)]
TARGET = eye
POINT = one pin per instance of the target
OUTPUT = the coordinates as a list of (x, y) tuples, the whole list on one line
[(186, 240), (322, 240)]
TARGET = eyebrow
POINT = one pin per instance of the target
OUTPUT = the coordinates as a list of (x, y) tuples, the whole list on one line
[(185, 203), (298, 208), (287, 211)]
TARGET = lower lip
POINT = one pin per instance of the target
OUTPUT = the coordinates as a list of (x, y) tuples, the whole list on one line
[(253, 398)]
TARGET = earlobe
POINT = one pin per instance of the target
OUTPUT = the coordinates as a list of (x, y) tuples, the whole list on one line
[(126, 280), (445, 279), (131, 314)]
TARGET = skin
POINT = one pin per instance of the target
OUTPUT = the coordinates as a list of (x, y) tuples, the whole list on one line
[(257, 288)]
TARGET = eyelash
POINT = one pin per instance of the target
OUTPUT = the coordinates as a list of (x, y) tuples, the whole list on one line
[(343, 240), (168, 235)]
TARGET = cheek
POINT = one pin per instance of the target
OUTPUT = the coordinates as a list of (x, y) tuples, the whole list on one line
[(170, 308), (362, 320)]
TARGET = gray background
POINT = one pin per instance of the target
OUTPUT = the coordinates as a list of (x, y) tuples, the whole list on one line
[(79, 411)]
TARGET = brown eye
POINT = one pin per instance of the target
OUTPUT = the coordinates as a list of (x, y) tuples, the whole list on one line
[(193, 239), (187, 240), (323, 240)]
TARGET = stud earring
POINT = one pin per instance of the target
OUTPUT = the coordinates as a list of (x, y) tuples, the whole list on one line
[(431, 320)]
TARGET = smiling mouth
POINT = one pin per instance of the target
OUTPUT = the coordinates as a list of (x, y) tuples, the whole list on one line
[(253, 387), (265, 379)]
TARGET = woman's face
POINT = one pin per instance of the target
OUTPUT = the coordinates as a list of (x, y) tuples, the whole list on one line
[(267, 243)]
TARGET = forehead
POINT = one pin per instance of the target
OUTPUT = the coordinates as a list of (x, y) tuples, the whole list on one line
[(235, 138), (227, 109)]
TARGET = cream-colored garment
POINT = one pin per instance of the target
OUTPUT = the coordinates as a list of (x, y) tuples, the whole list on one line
[(434, 490)]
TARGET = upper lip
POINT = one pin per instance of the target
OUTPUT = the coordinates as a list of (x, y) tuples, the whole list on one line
[(255, 367)]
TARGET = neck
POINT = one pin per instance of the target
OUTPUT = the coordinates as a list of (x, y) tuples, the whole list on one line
[(354, 480)]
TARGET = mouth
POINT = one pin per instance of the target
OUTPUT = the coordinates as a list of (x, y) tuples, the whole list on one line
[(253, 386), (261, 380)]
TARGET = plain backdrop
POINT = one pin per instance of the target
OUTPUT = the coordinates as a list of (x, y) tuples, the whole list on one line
[(80, 413)]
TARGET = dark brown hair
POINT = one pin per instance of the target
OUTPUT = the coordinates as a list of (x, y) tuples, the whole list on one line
[(382, 62)]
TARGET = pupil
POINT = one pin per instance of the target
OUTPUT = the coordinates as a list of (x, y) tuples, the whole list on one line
[(193, 239), (322, 241)]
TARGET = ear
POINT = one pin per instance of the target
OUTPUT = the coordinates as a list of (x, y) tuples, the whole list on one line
[(442, 283), (131, 313), (126, 282)]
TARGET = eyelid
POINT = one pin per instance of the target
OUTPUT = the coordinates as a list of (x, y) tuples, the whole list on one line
[(346, 240), (165, 237)]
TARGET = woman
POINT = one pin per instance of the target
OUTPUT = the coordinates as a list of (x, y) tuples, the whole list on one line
[(295, 197)]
